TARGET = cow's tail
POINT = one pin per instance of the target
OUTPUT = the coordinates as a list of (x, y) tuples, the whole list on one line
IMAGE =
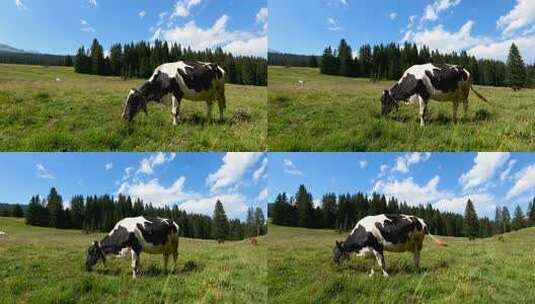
[(479, 95), (439, 242)]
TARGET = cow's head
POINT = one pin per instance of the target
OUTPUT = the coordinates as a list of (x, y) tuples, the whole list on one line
[(134, 103), (94, 254), (388, 103), (339, 253)]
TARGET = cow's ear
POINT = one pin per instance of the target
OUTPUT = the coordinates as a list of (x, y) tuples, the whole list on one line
[(95, 243), (385, 92)]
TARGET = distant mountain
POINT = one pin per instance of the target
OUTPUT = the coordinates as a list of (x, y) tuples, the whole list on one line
[(7, 48), (273, 51)]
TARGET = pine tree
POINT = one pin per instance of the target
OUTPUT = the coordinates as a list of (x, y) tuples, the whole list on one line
[(220, 228), (518, 219), (97, 58), (345, 59), (329, 209), (17, 211), (471, 222), (531, 213), (303, 203), (516, 69), (498, 220), (56, 217), (259, 221), (506, 220)]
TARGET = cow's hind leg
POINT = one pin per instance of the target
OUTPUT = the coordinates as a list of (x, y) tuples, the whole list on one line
[(209, 105), (465, 107), (455, 109), (176, 109), (417, 259), (381, 261), (135, 264), (165, 261), (222, 103)]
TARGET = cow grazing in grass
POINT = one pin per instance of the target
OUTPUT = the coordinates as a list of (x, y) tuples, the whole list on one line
[(139, 234), (373, 235), (192, 80), (420, 83)]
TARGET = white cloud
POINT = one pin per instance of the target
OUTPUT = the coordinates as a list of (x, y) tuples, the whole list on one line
[(333, 26), (485, 168), (233, 169), (147, 165), (524, 181), (262, 18), (142, 14), (440, 39), (484, 204), (42, 172), (234, 204), (412, 20), (20, 5), (392, 16), (261, 172), (363, 164), (404, 162), (256, 47), (520, 17), (432, 11), (108, 166), (238, 42), (262, 196), (409, 191), (290, 168), (183, 7), (93, 3), (344, 2), (499, 49), (85, 27), (505, 174)]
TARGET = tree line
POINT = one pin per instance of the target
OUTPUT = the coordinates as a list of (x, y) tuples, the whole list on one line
[(7, 210), (36, 59), (101, 213), (342, 212), (138, 60), (389, 61)]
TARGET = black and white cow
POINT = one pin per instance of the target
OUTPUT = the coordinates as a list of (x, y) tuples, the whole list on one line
[(373, 235), (440, 82), (138, 234), (192, 80)]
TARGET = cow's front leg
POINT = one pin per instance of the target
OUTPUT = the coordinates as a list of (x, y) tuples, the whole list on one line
[(135, 264), (176, 110), (381, 261), (423, 110)]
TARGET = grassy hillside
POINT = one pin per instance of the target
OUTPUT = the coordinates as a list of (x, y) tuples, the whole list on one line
[(343, 114), (480, 271), (42, 265), (82, 113)]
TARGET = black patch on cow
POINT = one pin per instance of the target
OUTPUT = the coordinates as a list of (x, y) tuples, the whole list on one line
[(118, 240), (199, 76), (397, 229), (446, 78), (359, 239), (160, 86), (409, 85), (156, 231)]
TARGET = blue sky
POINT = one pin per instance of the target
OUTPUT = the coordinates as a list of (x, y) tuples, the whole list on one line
[(192, 180), (445, 180), (485, 28), (62, 26)]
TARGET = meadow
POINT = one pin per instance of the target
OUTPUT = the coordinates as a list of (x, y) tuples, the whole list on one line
[(83, 113), (331, 113), (489, 270), (43, 265)]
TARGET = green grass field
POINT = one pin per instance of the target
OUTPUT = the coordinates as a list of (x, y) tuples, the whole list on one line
[(332, 113), (42, 265), (480, 271), (82, 113)]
